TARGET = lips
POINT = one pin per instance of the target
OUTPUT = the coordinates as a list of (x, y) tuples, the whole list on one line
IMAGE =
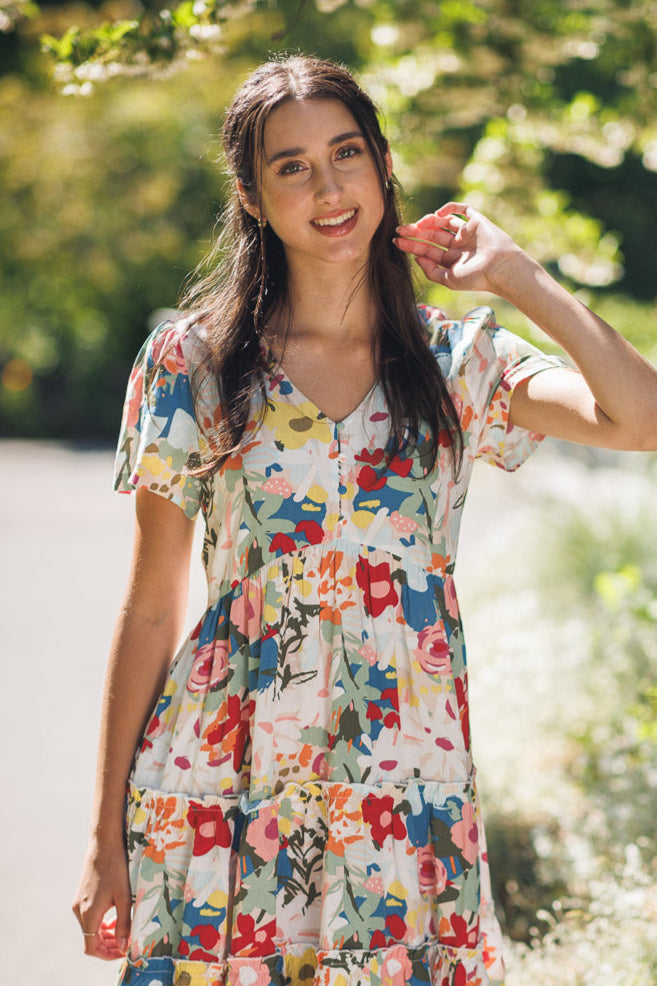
[(337, 220), (337, 224)]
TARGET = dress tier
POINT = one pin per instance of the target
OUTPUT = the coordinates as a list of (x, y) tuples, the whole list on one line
[(303, 808)]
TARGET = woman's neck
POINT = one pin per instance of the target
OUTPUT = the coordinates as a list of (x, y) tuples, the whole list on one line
[(326, 309)]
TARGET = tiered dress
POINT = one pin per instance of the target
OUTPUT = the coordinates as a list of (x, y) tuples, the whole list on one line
[(303, 809)]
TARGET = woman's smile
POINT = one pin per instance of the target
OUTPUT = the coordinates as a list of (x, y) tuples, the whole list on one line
[(337, 225)]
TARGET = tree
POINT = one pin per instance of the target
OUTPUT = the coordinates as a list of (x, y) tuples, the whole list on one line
[(541, 113)]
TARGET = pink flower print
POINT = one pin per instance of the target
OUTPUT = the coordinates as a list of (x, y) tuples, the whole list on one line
[(133, 405), (248, 972), (405, 525), (246, 609), (210, 667), (425, 869), (368, 653), (432, 874), (451, 601), (440, 877), (465, 833), (433, 650), (396, 969), (262, 834), (374, 884), (279, 486)]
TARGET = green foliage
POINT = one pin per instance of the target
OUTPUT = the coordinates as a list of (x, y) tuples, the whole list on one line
[(607, 565), (540, 114), (108, 202)]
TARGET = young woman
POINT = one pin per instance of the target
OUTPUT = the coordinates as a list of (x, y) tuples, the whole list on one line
[(302, 805)]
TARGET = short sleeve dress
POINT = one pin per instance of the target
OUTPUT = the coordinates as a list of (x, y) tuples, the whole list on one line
[(303, 810)]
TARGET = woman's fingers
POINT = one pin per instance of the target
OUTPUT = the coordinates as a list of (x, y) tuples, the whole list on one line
[(123, 915), (433, 234)]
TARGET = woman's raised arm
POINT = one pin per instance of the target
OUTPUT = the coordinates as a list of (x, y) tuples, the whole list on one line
[(147, 631), (612, 401)]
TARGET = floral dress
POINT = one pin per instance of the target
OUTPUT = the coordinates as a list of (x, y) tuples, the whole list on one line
[(303, 808)]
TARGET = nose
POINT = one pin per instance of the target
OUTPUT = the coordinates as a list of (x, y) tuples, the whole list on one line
[(328, 186)]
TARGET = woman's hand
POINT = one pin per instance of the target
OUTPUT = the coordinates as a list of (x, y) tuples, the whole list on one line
[(104, 885), (612, 401), (458, 247)]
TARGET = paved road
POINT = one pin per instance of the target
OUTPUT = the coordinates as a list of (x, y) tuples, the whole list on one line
[(64, 540)]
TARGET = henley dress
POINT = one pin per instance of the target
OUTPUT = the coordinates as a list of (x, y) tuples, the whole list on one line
[(302, 810)]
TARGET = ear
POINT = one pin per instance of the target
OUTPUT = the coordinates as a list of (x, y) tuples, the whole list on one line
[(388, 161), (246, 202)]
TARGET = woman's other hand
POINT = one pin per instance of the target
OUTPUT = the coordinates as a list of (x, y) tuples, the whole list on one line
[(104, 885), (458, 247)]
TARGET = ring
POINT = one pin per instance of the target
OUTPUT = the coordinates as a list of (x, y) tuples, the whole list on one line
[(89, 934)]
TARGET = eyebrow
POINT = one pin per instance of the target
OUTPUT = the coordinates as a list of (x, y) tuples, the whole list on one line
[(296, 151)]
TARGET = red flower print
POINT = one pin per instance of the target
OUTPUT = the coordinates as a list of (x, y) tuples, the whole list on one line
[(209, 938), (396, 926), (282, 542), (376, 585), (228, 734), (460, 685), (369, 479), (457, 933), (251, 940), (400, 466), (210, 828), (374, 458), (310, 530), (378, 813)]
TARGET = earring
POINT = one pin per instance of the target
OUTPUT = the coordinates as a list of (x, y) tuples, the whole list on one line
[(261, 222)]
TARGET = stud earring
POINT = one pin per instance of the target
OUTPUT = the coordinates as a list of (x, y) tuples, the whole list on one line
[(261, 222)]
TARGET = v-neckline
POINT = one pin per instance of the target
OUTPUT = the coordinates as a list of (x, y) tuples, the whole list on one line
[(278, 369)]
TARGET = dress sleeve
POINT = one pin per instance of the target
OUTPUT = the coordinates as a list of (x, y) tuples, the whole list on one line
[(159, 429), (483, 363)]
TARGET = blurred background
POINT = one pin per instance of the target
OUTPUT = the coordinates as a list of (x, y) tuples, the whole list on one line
[(543, 115)]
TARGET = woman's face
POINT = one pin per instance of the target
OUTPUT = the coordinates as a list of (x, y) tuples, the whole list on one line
[(321, 192)]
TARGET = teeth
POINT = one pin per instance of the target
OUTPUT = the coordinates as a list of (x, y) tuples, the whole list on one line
[(336, 220)]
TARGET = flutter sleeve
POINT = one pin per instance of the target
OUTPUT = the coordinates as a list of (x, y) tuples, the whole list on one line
[(159, 430), (483, 363)]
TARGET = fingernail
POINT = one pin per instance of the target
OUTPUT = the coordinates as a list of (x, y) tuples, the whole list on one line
[(123, 944)]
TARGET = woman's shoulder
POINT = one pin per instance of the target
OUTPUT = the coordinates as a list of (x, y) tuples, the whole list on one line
[(178, 338), (452, 340), (440, 328)]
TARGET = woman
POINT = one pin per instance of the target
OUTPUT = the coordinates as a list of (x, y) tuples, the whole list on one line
[(303, 802)]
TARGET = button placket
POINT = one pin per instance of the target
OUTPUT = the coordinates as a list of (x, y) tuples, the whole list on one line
[(341, 442)]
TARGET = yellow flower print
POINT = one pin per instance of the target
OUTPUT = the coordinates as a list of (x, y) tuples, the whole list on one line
[(294, 425)]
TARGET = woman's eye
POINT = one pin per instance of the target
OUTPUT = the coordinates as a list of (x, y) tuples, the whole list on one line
[(291, 168), (347, 152)]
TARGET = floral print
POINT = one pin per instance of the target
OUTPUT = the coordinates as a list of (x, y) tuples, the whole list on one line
[(303, 805)]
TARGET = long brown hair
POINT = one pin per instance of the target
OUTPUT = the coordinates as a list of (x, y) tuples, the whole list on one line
[(248, 272)]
